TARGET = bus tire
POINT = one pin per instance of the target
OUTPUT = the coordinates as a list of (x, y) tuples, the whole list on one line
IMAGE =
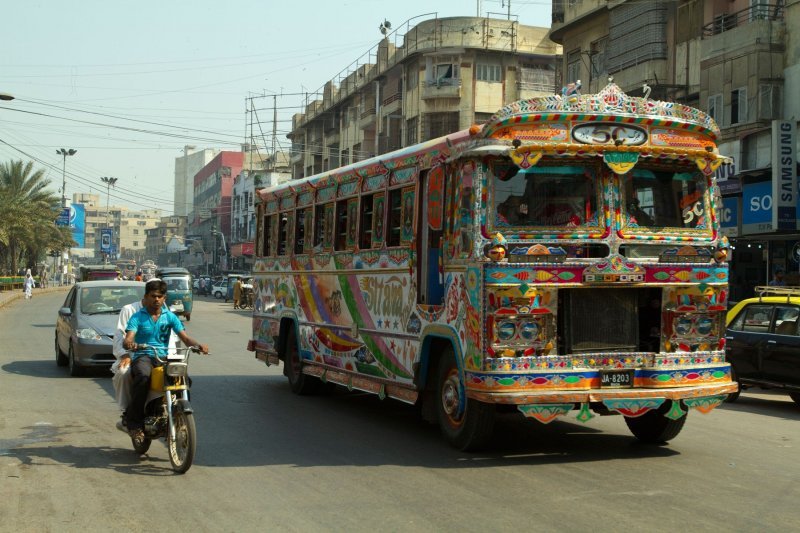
[(655, 428), (300, 383), (471, 429)]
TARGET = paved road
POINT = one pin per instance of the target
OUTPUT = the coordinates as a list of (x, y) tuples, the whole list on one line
[(271, 461)]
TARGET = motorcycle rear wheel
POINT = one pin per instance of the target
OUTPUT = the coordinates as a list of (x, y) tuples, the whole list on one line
[(182, 448)]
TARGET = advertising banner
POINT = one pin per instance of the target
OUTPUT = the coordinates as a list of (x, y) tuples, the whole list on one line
[(77, 221), (106, 240)]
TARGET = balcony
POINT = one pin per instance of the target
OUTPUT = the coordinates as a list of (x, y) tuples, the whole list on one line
[(724, 22), (441, 88)]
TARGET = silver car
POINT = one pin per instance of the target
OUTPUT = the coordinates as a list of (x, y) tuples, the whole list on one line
[(87, 320)]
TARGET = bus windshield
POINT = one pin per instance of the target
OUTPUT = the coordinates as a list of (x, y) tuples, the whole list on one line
[(562, 196), (664, 198)]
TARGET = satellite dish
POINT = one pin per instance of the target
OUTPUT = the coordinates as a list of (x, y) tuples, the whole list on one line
[(385, 26)]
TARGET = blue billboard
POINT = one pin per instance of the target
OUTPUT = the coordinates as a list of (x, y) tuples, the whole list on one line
[(106, 240), (77, 221), (729, 216)]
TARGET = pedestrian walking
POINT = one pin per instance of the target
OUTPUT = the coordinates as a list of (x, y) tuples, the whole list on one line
[(28, 285), (237, 293)]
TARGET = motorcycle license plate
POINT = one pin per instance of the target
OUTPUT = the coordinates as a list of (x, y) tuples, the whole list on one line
[(616, 379)]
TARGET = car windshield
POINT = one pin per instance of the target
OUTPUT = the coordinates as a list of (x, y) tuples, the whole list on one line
[(94, 300), (177, 284)]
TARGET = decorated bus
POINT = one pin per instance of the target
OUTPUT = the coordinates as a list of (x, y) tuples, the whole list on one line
[(564, 258)]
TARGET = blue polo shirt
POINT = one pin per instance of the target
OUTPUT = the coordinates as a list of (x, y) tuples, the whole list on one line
[(154, 333)]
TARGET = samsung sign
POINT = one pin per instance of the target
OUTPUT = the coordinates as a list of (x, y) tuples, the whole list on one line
[(784, 176), (757, 208)]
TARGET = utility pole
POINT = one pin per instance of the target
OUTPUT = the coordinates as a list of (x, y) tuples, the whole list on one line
[(109, 183), (64, 152)]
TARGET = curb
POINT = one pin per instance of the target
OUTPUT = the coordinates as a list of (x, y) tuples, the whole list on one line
[(9, 297)]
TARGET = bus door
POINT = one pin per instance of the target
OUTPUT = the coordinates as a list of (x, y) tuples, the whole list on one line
[(429, 243)]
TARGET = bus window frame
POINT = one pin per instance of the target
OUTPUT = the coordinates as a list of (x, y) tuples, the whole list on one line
[(366, 222), (379, 217)]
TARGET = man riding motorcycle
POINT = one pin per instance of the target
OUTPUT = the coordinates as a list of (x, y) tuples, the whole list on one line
[(151, 325)]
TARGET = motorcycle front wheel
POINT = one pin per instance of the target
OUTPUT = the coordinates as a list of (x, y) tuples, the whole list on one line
[(182, 447)]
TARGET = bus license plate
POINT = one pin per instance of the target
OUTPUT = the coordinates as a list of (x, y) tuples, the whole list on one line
[(620, 379)]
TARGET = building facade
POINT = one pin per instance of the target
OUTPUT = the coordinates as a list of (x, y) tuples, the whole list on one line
[(735, 60), (211, 217), (186, 166), (445, 75), (157, 238)]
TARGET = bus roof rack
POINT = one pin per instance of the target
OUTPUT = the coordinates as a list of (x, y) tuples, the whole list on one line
[(769, 290)]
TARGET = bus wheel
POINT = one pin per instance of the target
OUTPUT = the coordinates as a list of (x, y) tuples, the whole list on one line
[(467, 428), (655, 428), (300, 383)]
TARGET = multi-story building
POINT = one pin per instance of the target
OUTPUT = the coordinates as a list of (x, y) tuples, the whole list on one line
[(157, 239), (129, 227), (186, 166), (735, 60), (447, 74), (211, 220)]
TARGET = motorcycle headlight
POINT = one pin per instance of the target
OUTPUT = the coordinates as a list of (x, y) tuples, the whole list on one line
[(529, 330), (88, 334), (506, 330), (177, 369)]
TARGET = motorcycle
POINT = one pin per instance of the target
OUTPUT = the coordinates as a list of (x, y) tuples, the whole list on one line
[(168, 414)]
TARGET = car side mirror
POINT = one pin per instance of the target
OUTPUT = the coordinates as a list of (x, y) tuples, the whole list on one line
[(65, 312)]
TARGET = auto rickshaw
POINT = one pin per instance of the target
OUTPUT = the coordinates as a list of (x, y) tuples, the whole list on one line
[(179, 290)]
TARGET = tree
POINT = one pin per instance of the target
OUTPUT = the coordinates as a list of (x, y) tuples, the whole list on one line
[(27, 216)]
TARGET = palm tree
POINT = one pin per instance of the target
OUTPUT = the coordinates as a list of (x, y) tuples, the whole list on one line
[(27, 216)]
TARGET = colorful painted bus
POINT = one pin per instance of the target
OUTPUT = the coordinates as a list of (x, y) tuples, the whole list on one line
[(127, 267), (563, 258)]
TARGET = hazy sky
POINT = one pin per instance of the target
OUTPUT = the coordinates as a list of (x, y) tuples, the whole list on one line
[(128, 84)]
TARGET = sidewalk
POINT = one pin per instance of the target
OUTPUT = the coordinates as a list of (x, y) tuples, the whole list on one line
[(8, 297)]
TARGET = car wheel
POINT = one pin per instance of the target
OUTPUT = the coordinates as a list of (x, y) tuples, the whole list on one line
[(75, 369), (61, 358), (795, 396), (732, 397), (218, 295)]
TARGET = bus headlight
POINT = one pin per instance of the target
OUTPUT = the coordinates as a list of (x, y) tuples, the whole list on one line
[(529, 330), (506, 330)]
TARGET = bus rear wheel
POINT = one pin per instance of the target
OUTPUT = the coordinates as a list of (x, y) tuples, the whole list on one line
[(466, 424), (300, 383), (655, 428)]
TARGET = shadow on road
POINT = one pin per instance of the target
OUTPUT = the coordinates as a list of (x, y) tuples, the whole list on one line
[(49, 369)]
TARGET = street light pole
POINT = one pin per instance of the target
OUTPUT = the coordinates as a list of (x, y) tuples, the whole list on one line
[(64, 152), (109, 183)]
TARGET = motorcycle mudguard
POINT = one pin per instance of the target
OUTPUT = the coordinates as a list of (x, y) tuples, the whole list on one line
[(184, 406)]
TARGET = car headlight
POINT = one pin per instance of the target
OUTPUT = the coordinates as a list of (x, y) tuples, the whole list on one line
[(87, 333), (506, 330), (529, 330)]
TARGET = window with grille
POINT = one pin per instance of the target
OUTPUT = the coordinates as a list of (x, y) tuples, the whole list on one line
[(739, 105), (715, 108), (484, 72), (537, 77), (412, 126), (439, 124), (573, 66)]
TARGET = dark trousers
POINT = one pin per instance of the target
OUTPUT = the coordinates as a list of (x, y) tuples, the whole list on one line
[(140, 373)]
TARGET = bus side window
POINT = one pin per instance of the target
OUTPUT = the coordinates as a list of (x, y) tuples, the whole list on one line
[(365, 236), (300, 231), (379, 220), (266, 235), (395, 217), (283, 232), (319, 226), (341, 225)]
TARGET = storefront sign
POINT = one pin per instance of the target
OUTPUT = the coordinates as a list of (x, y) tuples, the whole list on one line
[(757, 208), (784, 175), (729, 217)]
